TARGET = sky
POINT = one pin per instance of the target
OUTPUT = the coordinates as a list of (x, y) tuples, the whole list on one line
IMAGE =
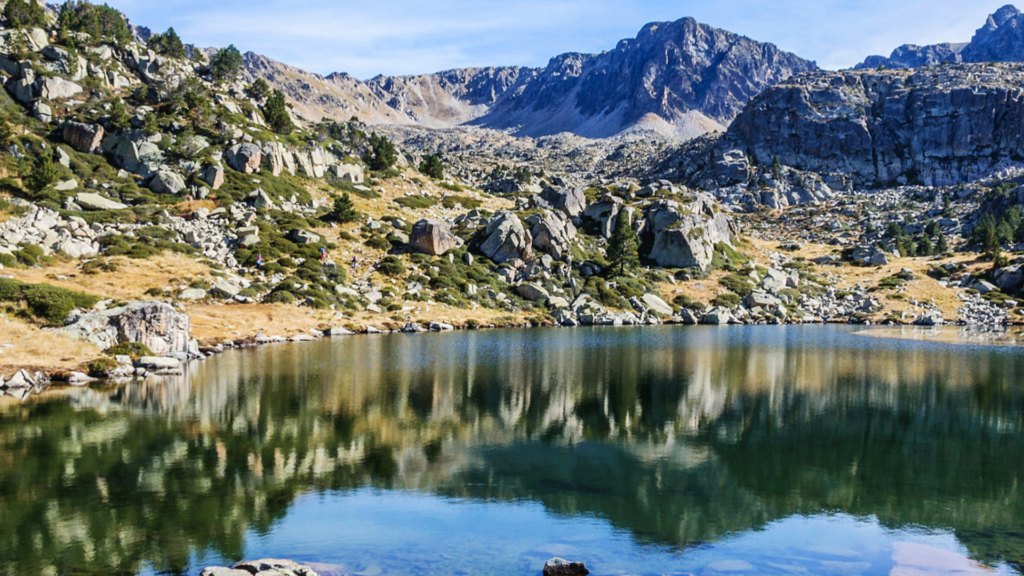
[(396, 37)]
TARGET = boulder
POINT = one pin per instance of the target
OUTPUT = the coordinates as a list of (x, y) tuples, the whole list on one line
[(346, 173), (432, 237), (304, 237), (58, 88), (532, 292), (569, 201), (93, 201), (158, 363), (1010, 279), (225, 289), (553, 233), (505, 238), (560, 567), (274, 567), (214, 176), (686, 237), (167, 182), (930, 319), (245, 158), (868, 255), (83, 137), (156, 324), (656, 304), (604, 213)]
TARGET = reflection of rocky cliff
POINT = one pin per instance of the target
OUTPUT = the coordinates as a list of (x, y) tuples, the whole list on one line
[(676, 435)]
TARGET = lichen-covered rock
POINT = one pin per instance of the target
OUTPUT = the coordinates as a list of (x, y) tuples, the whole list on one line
[(505, 238), (167, 182), (245, 158), (432, 237), (553, 233), (571, 201), (686, 237), (275, 567), (156, 324)]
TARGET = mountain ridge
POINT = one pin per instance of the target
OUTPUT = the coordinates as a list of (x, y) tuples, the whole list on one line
[(684, 78)]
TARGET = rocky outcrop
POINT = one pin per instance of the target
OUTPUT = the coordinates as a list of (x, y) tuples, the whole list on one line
[(156, 324), (560, 567), (553, 232), (266, 567), (686, 237), (167, 182), (571, 201), (505, 238), (83, 137), (432, 237), (245, 158), (939, 127)]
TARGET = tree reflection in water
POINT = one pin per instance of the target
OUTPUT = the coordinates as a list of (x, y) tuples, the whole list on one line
[(677, 435)]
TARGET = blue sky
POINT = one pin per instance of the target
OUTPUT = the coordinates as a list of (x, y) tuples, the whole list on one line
[(408, 37)]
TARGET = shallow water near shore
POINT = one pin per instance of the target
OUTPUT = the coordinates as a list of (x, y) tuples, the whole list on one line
[(668, 450)]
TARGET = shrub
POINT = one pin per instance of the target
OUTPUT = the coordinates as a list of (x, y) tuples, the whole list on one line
[(226, 64), (726, 300), (391, 266), (378, 243), (343, 211), (416, 202), (431, 166), (101, 367), (134, 350), (45, 302), (24, 14), (684, 301), (276, 113), (280, 297), (738, 283)]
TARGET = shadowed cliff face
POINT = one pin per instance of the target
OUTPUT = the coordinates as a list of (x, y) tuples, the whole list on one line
[(676, 436), (958, 123), (681, 77)]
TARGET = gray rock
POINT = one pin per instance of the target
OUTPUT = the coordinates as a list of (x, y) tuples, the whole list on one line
[(192, 294), (167, 182), (687, 237), (244, 158), (560, 567), (58, 88), (155, 324), (304, 237), (868, 255), (571, 201), (532, 292), (214, 176), (505, 238), (158, 363), (433, 237), (553, 233), (83, 137), (225, 289), (92, 201), (656, 304)]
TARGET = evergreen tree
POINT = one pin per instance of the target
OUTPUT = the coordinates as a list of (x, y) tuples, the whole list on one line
[(432, 167), (6, 131), (943, 245), (226, 64), (119, 117), (623, 246), (1018, 235), (43, 173), (924, 247), (24, 14), (344, 211), (383, 154), (259, 90), (150, 125), (168, 44), (276, 113)]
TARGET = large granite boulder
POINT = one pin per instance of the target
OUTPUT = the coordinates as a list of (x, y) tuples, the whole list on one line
[(214, 176), (245, 158), (167, 182), (156, 324), (93, 201), (58, 88), (571, 201), (686, 236), (1010, 279), (553, 232), (604, 213), (83, 137), (505, 238), (432, 237)]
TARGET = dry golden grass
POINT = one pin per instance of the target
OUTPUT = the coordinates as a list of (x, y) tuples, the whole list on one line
[(131, 280), (32, 347)]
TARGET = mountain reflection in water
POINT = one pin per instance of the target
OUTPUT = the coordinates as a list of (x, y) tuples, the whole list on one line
[(674, 438)]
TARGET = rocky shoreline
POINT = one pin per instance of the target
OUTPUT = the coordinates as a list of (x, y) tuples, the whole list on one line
[(278, 567)]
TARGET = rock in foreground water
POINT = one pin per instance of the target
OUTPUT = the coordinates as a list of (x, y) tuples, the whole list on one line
[(561, 567)]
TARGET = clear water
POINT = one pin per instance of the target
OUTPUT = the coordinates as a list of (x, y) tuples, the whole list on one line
[(675, 450)]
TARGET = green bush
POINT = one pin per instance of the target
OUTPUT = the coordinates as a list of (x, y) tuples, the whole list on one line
[(391, 266), (101, 367), (684, 301), (45, 302), (416, 202), (134, 350), (280, 297), (727, 300), (738, 283)]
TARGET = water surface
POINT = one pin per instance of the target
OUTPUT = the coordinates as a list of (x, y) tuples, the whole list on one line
[(672, 450)]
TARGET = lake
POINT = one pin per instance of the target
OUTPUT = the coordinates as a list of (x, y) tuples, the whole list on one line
[(667, 450)]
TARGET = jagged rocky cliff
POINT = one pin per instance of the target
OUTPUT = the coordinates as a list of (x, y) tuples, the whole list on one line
[(937, 127), (1001, 39), (679, 78)]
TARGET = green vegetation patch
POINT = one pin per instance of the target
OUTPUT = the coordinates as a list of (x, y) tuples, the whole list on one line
[(45, 302)]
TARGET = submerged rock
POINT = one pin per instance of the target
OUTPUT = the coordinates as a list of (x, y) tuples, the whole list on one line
[(560, 567)]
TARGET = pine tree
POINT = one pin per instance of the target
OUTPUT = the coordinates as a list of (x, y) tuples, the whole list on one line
[(276, 113), (43, 173), (226, 64), (943, 245), (383, 154), (168, 44), (24, 14), (119, 117), (432, 167), (344, 211), (259, 90), (622, 246), (924, 247)]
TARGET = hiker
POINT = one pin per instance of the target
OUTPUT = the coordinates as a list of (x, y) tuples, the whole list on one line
[(323, 255), (259, 260)]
